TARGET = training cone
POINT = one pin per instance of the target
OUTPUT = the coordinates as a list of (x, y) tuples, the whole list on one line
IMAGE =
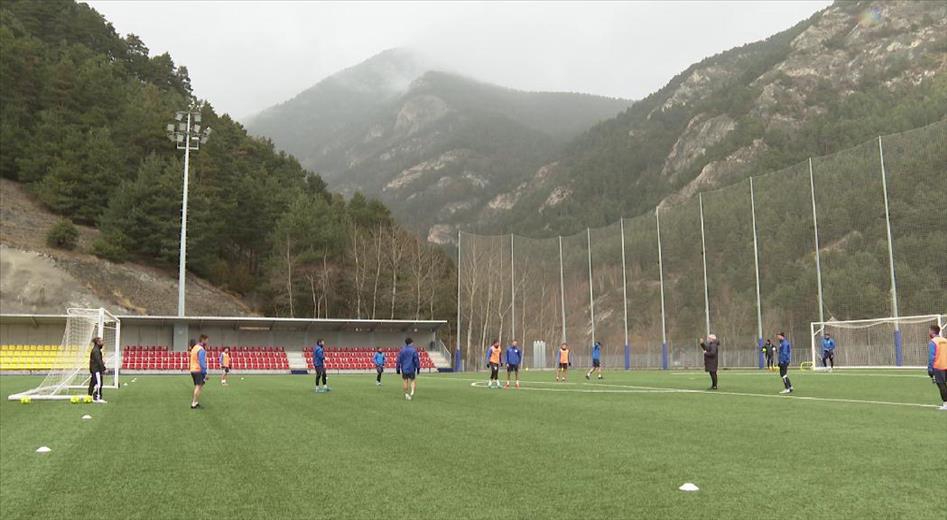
[(86, 417), (688, 487), (43, 449)]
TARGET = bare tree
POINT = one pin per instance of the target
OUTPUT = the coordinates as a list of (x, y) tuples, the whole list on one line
[(289, 275), (396, 250), (376, 242)]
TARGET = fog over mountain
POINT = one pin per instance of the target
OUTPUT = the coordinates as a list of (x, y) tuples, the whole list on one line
[(246, 56)]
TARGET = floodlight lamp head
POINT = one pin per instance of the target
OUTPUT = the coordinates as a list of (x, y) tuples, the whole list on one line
[(197, 117), (196, 129), (178, 116)]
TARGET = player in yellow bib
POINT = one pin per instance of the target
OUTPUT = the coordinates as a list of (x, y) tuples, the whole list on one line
[(565, 361)]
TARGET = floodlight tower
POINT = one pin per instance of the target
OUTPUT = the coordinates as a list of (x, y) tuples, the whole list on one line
[(186, 132)]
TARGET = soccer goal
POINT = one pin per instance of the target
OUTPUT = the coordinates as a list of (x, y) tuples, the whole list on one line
[(69, 374), (876, 343)]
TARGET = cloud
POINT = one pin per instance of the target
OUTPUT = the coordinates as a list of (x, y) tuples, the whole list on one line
[(246, 56)]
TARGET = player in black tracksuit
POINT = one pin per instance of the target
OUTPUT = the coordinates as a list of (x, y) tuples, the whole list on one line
[(97, 369)]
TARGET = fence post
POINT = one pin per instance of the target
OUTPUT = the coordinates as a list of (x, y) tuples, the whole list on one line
[(756, 264), (588, 236), (703, 257), (815, 231), (512, 292), (457, 356), (562, 292), (664, 331), (898, 353), (624, 294)]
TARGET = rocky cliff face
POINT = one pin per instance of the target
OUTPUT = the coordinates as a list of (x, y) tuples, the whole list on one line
[(744, 112)]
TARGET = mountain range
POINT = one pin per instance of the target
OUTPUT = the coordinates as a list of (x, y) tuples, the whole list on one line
[(435, 146), (447, 152)]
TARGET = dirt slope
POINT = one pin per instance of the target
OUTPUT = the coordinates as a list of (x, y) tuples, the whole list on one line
[(39, 279)]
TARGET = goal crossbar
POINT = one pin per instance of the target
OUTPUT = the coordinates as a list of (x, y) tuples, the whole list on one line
[(875, 343)]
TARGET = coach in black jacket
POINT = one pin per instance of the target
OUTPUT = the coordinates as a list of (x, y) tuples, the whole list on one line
[(711, 347), (97, 369)]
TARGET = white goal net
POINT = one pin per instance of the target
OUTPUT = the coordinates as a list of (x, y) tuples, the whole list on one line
[(875, 343), (69, 374)]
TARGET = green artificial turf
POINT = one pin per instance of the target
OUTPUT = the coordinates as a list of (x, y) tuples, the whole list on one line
[(269, 447)]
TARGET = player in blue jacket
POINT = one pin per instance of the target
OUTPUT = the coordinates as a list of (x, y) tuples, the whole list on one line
[(785, 357), (828, 351), (319, 363), (379, 360), (408, 365), (513, 359), (596, 360)]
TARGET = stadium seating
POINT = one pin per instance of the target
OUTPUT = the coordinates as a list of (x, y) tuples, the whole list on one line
[(33, 357), (360, 358), (156, 357)]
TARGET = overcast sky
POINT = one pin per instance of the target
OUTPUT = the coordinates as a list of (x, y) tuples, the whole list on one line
[(244, 56)]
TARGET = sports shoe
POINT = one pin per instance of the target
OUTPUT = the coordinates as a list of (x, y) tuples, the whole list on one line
[(943, 408), (327, 389), (407, 397), (785, 391), (600, 377), (377, 383), (517, 385), (100, 401), (587, 376), (506, 386)]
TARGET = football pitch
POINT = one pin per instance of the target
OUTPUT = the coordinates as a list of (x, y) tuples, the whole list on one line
[(851, 444)]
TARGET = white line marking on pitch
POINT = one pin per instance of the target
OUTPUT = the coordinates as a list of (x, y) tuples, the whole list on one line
[(479, 383), (833, 374), (483, 384)]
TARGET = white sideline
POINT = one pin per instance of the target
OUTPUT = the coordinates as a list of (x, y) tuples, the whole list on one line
[(838, 372), (629, 390), (662, 390)]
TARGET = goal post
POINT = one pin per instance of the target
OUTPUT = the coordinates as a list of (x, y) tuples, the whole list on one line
[(69, 374), (876, 343)]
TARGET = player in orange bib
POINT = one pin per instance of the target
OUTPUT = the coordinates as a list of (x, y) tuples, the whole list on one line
[(494, 362), (225, 364), (937, 362), (565, 361)]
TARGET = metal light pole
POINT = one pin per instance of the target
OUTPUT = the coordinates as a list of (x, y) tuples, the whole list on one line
[(187, 134)]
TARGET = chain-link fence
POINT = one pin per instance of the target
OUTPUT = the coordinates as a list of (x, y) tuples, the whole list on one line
[(818, 241)]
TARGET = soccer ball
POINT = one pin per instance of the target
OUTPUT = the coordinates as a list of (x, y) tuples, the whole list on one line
[(25, 400), (87, 399), (74, 399)]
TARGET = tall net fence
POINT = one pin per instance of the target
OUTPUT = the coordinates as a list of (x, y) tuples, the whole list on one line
[(915, 163), (731, 273), (786, 243), (645, 333), (538, 299), (608, 288), (819, 251)]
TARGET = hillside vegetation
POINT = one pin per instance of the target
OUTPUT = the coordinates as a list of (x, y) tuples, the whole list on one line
[(83, 128)]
